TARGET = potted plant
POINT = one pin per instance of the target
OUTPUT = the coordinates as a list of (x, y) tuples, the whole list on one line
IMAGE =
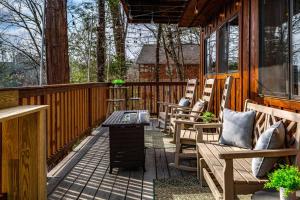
[(208, 117), (118, 82), (286, 180)]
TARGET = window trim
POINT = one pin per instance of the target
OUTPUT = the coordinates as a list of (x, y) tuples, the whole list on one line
[(205, 54), (290, 76), (216, 31)]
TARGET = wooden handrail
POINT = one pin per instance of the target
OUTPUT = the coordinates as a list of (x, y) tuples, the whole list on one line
[(77, 108)]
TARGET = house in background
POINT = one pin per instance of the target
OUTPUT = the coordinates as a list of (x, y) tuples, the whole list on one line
[(147, 59)]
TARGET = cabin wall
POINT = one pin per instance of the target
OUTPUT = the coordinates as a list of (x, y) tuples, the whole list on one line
[(147, 72), (239, 90), (245, 85)]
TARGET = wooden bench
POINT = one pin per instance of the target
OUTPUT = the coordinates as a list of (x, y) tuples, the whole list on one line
[(227, 170)]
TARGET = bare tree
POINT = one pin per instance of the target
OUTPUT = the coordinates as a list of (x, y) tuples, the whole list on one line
[(101, 41), (119, 26), (159, 31), (21, 28)]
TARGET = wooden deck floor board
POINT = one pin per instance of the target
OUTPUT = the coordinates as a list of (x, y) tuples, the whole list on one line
[(90, 178)]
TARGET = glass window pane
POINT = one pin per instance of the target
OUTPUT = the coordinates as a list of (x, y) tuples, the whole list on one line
[(296, 47), (223, 49), (210, 61), (273, 70), (233, 47)]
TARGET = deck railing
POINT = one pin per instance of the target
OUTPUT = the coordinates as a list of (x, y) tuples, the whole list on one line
[(77, 108), (152, 92)]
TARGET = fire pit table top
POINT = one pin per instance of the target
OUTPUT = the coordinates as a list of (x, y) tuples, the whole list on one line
[(128, 118)]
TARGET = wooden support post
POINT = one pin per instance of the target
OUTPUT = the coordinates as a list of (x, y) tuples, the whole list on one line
[(56, 40), (228, 184)]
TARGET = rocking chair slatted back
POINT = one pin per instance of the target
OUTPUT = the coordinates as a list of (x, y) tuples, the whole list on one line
[(190, 90), (225, 100), (208, 92)]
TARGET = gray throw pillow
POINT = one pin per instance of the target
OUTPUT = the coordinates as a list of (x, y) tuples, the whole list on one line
[(272, 138), (237, 128), (184, 102)]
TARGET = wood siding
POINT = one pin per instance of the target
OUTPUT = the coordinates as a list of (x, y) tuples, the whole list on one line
[(74, 110), (245, 84)]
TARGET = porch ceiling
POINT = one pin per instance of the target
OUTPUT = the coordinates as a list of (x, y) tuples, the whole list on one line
[(185, 13), (199, 12), (161, 11)]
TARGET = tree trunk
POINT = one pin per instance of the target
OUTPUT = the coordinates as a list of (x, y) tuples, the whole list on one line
[(157, 53), (169, 72), (56, 36), (120, 31), (173, 54), (101, 41)]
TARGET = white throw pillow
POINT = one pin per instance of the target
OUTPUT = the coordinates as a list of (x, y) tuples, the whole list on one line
[(272, 138), (237, 128), (200, 106)]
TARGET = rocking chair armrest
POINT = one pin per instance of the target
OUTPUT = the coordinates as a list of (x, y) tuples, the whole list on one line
[(207, 125), (165, 103), (258, 153), (178, 107), (183, 116), (188, 122)]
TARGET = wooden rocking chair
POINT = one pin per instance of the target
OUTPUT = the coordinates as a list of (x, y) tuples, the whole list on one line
[(165, 107), (190, 114), (189, 137)]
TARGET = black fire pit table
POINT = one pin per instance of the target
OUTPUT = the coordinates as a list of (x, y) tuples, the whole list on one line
[(126, 138)]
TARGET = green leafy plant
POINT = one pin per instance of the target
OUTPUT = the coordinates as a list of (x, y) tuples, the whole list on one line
[(208, 117), (118, 82), (287, 177)]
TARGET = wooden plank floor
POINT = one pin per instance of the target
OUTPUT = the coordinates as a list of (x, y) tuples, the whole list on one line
[(89, 178)]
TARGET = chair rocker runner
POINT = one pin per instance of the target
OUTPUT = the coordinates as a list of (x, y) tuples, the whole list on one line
[(165, 109), (190, 136)]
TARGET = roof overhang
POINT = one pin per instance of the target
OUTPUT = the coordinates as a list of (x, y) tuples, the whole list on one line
[(199, 12), (185, 13), (157, 11)]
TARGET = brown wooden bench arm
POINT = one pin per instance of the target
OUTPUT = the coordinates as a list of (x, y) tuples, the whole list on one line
[(258, 153)]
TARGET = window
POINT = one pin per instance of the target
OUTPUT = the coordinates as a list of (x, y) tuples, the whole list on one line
[(273, 70), (279, 71), (296, 48), (211, 55), (229, 46)]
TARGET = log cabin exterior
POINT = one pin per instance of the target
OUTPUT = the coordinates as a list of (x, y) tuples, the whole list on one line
[(264, 71), (264, 67), (146, 62)]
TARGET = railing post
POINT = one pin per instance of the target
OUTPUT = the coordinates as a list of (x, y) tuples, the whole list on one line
[(157, 99), (90, 109)]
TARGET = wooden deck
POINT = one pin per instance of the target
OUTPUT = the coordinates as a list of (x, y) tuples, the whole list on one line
[(84, 173)]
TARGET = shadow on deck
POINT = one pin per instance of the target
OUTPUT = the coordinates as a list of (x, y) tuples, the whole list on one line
[(84, 173)]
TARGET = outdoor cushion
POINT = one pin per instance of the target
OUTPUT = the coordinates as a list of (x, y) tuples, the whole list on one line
[(184, 102), (200, 106), (237, 128), (272, 138)]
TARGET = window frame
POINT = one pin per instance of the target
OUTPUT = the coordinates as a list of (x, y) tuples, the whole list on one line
[(205, 54), (290, 76), (217, 32), (226, 23)]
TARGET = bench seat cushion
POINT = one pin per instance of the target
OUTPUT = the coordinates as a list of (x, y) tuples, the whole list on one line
[(242, 167)]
